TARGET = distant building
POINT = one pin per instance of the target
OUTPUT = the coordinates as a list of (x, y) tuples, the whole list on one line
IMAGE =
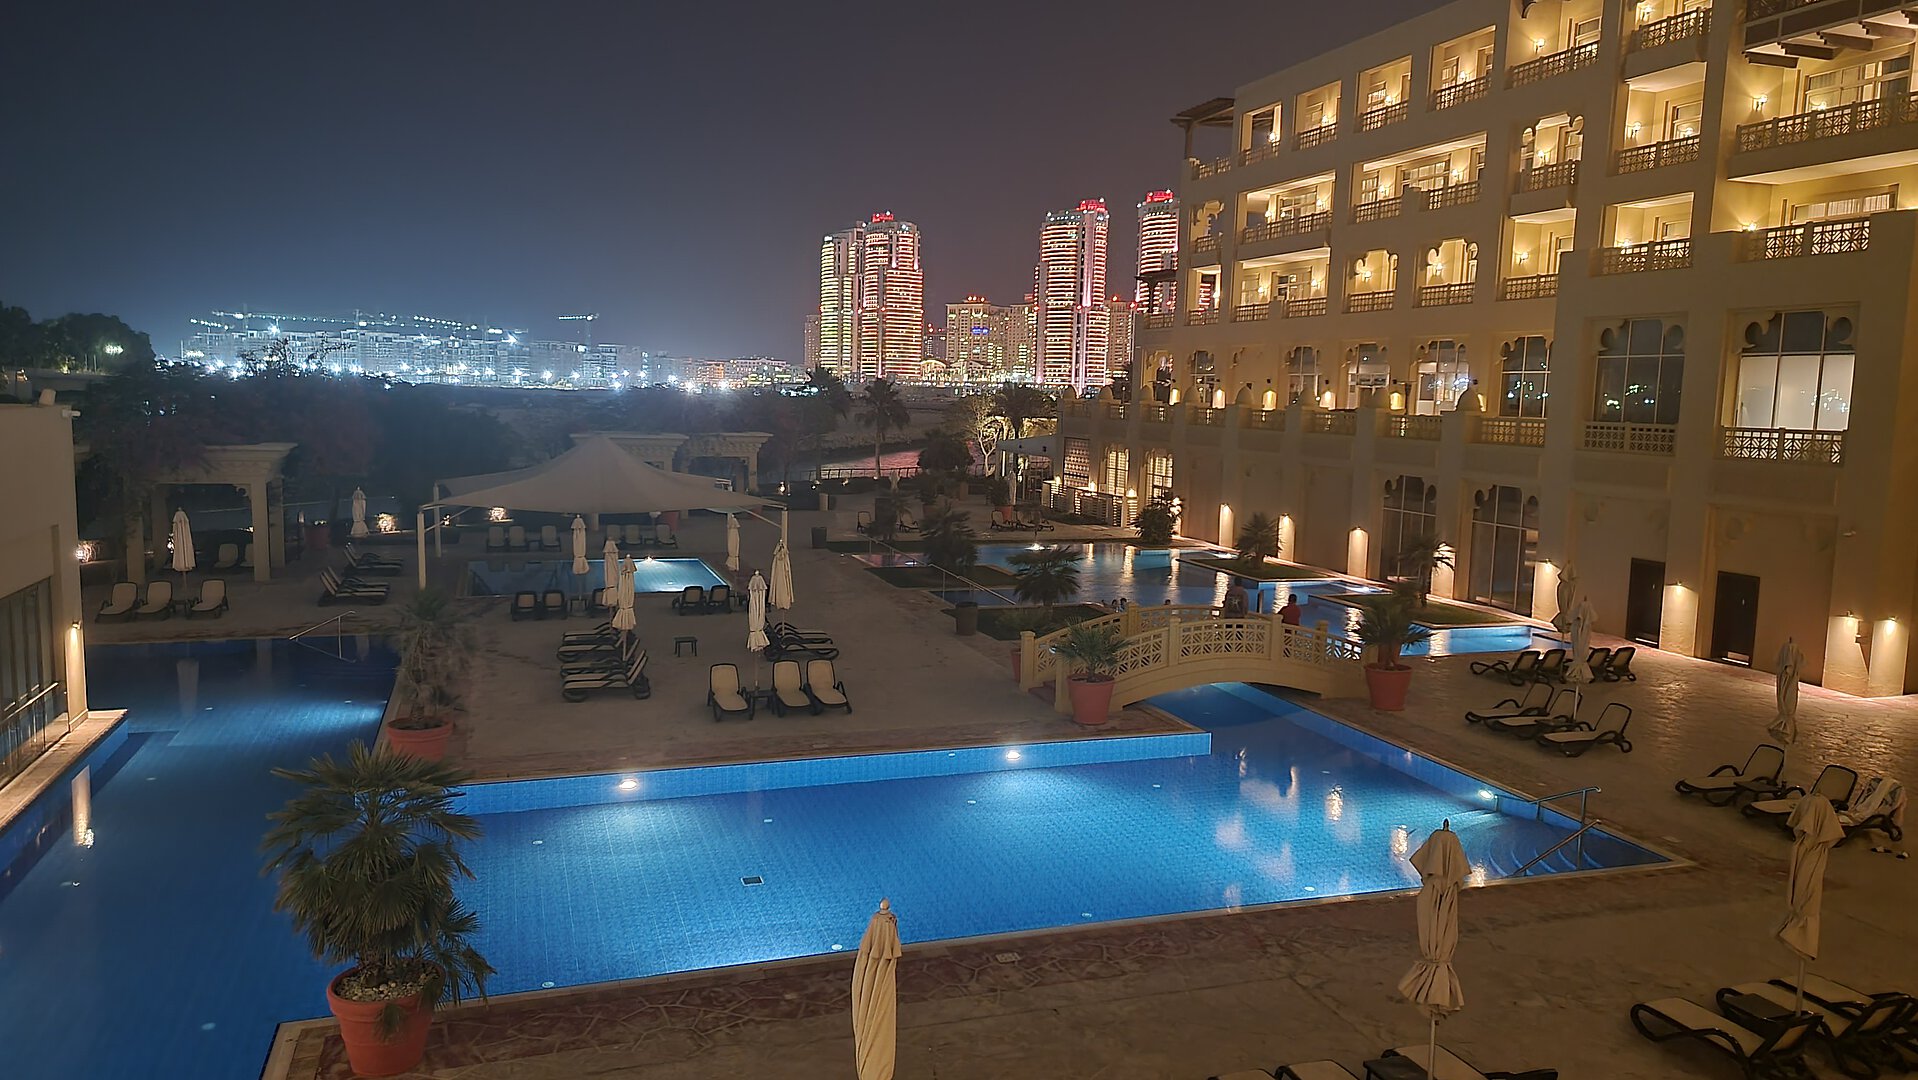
[(872, 301), (812, 341), (1071, 286), (1158, 250), (1119, 316), (838, 302), (976, 338), (1022, 342)]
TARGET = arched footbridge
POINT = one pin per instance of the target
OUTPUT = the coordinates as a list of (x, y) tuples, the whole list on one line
[(1172, 647)]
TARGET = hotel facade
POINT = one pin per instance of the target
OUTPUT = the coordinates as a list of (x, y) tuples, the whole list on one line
[(1620, 291)]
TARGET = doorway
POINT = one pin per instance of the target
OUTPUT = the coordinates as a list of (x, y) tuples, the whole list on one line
[(1735, 618), (1645, 601)]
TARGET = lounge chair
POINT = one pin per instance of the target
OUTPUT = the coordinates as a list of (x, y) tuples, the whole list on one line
[(1901, 1038), (719, 600), (516, 538), (605, 598), (1856, 1040), (159, 601), (1610, 728), (1835, 782), (1780, 1050), (1503, 668), (1881, 806), (1618, 666), (789, 649), (1596, 660), (552, 602), (596, 648), (614, 657), (350, 590), (635, 537), (367, 563), (1723, 785), (495, 538), (212, 599), (691, 600), (525, 605), (1450, 1066), (1560, 716), (788, 630), (601, 633), (119, 603), (863, 522), (227, 560), (905, 520), (1536, 702), (663, 536), (822, 682), (1551, 668), (723, 694), (246, 556), (549, 538), (788, 689), (632, 678), (1314, 1070)]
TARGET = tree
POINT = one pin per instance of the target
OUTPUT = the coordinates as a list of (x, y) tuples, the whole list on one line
[(882, 410), (945, 452), (1156, 522), (22, 342), (94, 342), (1258, 540), (142, 424), (951, 543), (1046, 576), (1419, 558), (823, 401), (1385, 624), (1018, 404)]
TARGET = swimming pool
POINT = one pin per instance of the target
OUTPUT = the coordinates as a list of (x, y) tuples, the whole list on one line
[(163, 927), (1110, 571), (503, 577)]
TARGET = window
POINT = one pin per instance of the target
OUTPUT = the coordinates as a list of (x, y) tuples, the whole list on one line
[(1262, 128), (1641, 365), (1366, 369), (1118, 470), (1077, 467), (1318, 108), (1302, 374), (1373, 186), (1526, 364), (27, 708), (1411, 513), (1584, 31), (1427, 174), (1795, 373), (1158, 473), (1683, 119), (1851, 204), (1883, 77), (1297, 202), (1443, 375), (1504, 546)]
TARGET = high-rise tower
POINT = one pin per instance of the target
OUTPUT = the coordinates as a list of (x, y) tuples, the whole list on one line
[(1071, 284), (872, 300), (1158, 248)]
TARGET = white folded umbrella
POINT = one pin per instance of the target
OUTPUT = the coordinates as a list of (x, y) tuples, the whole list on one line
[(732, 542), (359, 513), (756, 613), (875, 997), (1432, 983), (610, 553), (623, 618), (1815, 828)]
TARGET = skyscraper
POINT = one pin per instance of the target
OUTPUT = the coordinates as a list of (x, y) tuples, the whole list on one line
[(1119, 312), (812, 341), (976, 340), (838, 302), (1071, 285), (1022, 341), (1158, 247), (872, 300)]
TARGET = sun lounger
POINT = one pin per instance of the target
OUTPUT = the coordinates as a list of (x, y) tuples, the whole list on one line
[(605, 598), (632, 678), (723, 695), (246, 556), (615, 656), (1855, 1040), (367, 563), (1618, 666), (1314, 1070), (227, 558), (788, 689), (603, 632), (720, 600), (1536, 702), (552, 602), (159, 601), (863, 522), (579, 651), (690, 601), (1524, 668), (1723, 785), (626, 536), (516, 538), (1558, 717), (664, 537), (1610, 728), (1501, 668), (1778, 1050), (525, 605), (120, 602), (1880, 806), (1835, 782), (212, 599), (1901, 1036), (822, 682), (349, 591), (905, 520), (495, 538), (548, 538), (1596, 660), (788, 630), (1449, 1066), (1551, 668)]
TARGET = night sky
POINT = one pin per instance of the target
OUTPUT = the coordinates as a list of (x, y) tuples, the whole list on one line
[(671, 166)]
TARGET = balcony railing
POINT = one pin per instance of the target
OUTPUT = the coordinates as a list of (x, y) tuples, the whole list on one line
[(1116, 410), (1206, 245), (1259, 151), (1252, 312), (1457, 292), (1631, 438), (1376, 210), (1558, 63), (1662, 255), (1459, 93), (1658, 155), (1510, 430), (1286, 226), (1203, 169), (1380, 115), (1333, 422), (1811, 238), (1308, 138), (1202, 317), (1370, 301), (1307, 305), (1262, 419), (1400, 426), (1829, 123), (1155, 413), (1545, 177), (1205, 416), (1160, 320), (1452, 195), (29, 726), (1689, 24), (1535, 287), (1765, 9), (1781, 444)]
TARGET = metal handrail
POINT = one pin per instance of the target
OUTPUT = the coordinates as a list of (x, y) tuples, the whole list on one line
[(1538, 804), (1548, 852), (961, 578), (22, 706), (339, 635)]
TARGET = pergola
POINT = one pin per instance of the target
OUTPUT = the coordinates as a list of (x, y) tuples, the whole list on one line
[(254, 469)]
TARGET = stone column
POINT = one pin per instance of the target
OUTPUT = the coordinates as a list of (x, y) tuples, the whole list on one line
[(276, 523), (262, 530)]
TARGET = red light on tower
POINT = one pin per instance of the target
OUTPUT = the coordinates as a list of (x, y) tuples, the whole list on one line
[(1158, 196), (1092, 204), (883, 215)]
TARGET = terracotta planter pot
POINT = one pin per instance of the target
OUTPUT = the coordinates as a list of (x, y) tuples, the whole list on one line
[(1387, 686), (428, 744), (1004, 511), (369, 1052), (1091, 699)]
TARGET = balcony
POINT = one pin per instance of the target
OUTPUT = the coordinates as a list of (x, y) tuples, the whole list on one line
[(1631, 438), (1535, 287), (1510, 431), (1546, 177), (1116, 410), (1334, 422), (1638, 258), (1828, 123), (1206, 249), (1811, 238), (1690, 24), (1558, 63), (1452, 195), (1307, 306), (1206, 417), (1262, 419), (1251, 313), (1457, 292), (1460, 93), (1202, 317), (1658, 155), (1318, 136), (1155, 413), (1267, 148), (1203, 169), (1377, 210), (1380, 115), (1400, 426), (1286, 226), (1161, 320), (1780, 444), (1370, 301)]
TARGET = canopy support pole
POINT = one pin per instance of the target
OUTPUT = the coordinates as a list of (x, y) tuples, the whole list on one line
[(439, 547), (419, 530)]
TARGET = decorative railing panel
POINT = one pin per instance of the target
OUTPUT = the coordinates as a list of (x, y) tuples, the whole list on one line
[(1203, 169), (1251, 312), (1535, 287), (1307, 305), (1658, 155), (1631, 438), (1782, 444), (1452, 195), (1558, 63), (1204, 416), (1545, 177), (1639, 258), (1318, 136), (1457, 292), (1400, 426), (1370, 301), (1380, 115), (1333, 422), (1510, 431), (1459, 93), (1202, 317), (1160, 320), (1811, 238), (1288, 226), (1689, 24), (1377, 210)]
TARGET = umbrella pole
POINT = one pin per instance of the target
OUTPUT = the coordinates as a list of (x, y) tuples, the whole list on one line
[(1798, 1005), (1431, 1052)]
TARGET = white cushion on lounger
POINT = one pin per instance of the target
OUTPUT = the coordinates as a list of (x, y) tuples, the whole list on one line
[(1450, 1067), (1696, 1016), (1774, 806), (1321, 1070), (1246, 1074)]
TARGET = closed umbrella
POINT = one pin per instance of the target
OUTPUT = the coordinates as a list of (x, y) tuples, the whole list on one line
[(610, 555), (756, 615), (1432, 984), (623, 593), (581, 567), (1566, 591), (732, 542), (182, 547), (1785, 727), (359, 514), (1815, 828), (781, 594), (1580, 672), (875, 996)]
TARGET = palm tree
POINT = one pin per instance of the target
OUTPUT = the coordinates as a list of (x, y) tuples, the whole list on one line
[(1258, 540), (1046, 576), (1419, 557), (882, 410), (1018, 403), (951, 544), (823, 402)]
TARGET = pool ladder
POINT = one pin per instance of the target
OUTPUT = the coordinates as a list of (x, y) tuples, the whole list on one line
[(338, 623), (1585, 824)]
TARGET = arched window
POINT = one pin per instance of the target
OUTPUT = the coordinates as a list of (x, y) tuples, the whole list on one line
[(1443, 376), (1365, 369), (1795, 373), (1641, 367), (1524, 366), (1302, 374), (1504, 547), (1410, 513)]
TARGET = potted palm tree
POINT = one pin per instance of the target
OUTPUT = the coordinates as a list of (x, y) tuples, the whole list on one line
[(1385, 625), (1258, 540), (1093, 655), (367, 855), (1156, 522), (1046, 575), (1419, 559), (435, 650)]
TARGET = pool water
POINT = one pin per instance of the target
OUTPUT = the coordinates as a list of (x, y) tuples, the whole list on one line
[(504, 577), (164, 929)]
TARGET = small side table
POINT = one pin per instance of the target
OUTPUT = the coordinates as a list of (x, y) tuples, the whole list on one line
[(1755, 1012), (1394, 1068), (688, 641)]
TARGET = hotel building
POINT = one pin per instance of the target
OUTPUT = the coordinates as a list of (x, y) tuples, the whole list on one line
[(1582, 287), (1070, 283)]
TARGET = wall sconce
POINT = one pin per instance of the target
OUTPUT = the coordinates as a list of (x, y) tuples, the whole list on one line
[(1543, 154), (1538, 46), (1632, 129), (1521, 256), (1750, 226), (1759, 101), (1365, 273)]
